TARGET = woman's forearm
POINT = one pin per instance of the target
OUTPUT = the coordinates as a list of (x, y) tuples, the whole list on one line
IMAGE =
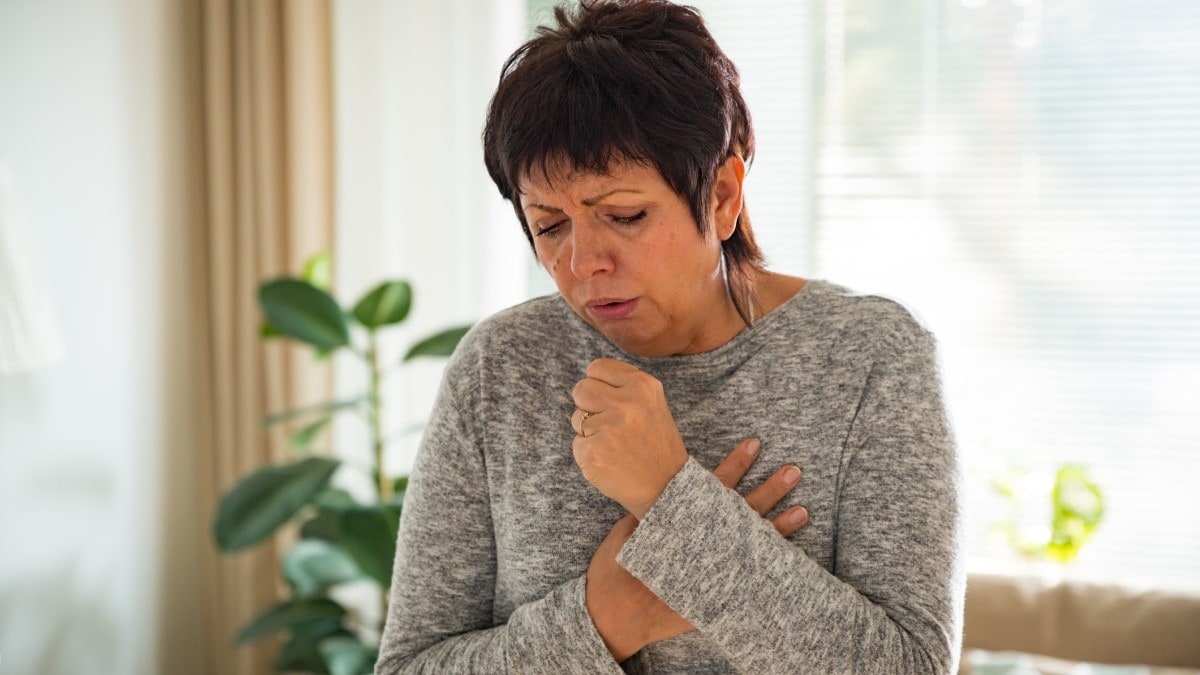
[(550, 635)]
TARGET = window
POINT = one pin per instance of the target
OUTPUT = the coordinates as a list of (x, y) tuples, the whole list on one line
[(1025, 176)]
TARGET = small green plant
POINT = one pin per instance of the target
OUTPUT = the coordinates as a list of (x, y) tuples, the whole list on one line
[(1075, 506), (341, 538)]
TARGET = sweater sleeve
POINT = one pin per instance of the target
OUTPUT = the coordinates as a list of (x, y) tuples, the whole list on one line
[(440, 612), (894, 600)]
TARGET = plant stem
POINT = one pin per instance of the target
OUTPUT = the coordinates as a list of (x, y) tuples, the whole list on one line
[(376, 409)]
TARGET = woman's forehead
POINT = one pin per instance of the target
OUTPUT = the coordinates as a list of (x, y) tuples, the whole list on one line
[(561, 177)]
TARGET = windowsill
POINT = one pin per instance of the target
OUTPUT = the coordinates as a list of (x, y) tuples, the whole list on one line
[(1051, 573)]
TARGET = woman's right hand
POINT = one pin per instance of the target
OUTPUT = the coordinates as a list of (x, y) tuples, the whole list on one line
[(628, 615), (764, 497)]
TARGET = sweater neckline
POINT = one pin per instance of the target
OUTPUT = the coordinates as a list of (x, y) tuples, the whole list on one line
[(714, 362)]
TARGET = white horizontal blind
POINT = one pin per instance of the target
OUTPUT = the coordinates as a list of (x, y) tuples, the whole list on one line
[(1026, 176), (769, 42)]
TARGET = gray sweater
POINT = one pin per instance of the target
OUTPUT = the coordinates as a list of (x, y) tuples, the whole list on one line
[(499, 525)]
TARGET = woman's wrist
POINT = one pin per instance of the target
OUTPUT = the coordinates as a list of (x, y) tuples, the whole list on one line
[(616, 630), (640, 510)]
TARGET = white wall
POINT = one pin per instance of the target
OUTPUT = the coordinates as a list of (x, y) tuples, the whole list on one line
[(96, 531)]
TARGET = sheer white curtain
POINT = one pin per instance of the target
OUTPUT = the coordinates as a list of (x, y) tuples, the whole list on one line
[(413, 198)]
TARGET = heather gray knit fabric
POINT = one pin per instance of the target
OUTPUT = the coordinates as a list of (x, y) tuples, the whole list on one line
[(499, 525)]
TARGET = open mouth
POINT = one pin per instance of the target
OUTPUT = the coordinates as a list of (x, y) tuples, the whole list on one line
[(608, 309)]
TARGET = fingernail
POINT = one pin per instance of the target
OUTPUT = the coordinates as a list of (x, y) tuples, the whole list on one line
[(798, 517), (753, 447), (791, 474)]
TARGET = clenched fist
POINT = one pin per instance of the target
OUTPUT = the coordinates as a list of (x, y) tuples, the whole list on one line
[(627, 444)]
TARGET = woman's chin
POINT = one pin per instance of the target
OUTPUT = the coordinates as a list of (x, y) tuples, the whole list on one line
[(631, 334), (634, 342)]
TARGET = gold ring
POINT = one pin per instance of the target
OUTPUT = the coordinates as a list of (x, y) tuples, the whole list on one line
[(586, 415)]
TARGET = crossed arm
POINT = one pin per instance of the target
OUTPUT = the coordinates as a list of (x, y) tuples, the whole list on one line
[(627, 615), (890, 608), (630, 450)]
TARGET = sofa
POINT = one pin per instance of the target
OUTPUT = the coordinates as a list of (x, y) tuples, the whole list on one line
[(1033, 625)]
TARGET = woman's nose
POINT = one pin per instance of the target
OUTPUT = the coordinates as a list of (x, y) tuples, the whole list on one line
[(589, 252)]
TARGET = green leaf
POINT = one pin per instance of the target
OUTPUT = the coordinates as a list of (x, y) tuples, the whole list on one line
[(1004, 489), (301, 653), (315, 631), (304, 312), (305, 436), (368, 534), (289, 614), (399, 488), (335, 499), (323, 526), (439, 344), (312, 566), (267, 331), (266, 499), (1075, 495), (1078, 508), (346, 655), (386, 304), (328, 406), (318, 270)]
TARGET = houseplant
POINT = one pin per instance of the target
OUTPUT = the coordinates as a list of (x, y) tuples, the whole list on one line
[(1050, 517), (340, 538)]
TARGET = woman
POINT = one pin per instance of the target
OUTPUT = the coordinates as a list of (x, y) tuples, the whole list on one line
[(575, 505)]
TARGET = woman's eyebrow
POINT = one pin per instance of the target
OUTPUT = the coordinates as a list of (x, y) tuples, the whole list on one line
[(590, 201)]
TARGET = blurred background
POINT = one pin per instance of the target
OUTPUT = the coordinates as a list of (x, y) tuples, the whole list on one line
[(1024, 175)]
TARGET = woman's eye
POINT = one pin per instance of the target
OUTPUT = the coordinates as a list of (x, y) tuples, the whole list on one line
[(549, 230), (629, 220)]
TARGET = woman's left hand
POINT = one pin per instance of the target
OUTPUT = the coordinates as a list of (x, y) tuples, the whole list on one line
[(627, 444), (627, 614)]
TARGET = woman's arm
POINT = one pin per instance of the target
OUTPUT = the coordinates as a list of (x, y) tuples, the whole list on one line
[(440, 614), (894, 601), (627, 615)]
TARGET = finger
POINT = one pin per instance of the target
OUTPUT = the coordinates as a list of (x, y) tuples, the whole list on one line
[(791, 520), (577, 420), (764, 497), (737, 463), (594, 395), (584, 422), (611, 371)]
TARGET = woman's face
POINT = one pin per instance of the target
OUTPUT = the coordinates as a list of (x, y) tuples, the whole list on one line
[(625, 253)]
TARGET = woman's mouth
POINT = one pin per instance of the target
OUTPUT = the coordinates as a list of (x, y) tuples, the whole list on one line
[(609, 309)]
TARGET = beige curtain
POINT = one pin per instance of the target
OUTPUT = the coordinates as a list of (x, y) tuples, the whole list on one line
[(267, 205)]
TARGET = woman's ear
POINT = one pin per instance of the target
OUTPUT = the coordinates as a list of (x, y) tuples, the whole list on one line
[(727, 196)]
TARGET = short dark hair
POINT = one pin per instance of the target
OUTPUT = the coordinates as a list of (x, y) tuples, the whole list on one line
[(634, 80)]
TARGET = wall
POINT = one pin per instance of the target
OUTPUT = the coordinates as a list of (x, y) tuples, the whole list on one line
[(96, 528)]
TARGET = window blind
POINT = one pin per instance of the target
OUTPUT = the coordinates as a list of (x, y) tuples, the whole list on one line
[(1025, 177)]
